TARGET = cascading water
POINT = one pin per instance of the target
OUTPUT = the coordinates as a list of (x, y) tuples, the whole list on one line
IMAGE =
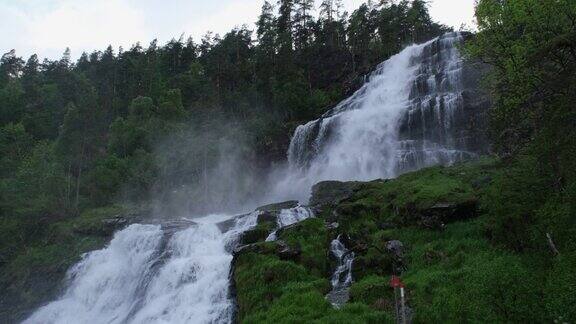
[(415, 110), (410, 114), (151, 275), (290, 216), (342, 276)]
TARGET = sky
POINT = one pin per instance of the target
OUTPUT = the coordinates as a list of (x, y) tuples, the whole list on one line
[(47, 27)]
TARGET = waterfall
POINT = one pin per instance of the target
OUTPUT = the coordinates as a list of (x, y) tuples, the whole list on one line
[(288, 217), (411, 113), (342, 276), (149, 274)]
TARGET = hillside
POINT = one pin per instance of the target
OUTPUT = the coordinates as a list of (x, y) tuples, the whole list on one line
[(469, 242)]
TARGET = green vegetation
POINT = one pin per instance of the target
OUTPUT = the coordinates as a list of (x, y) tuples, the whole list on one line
[(488, 241), (152, 122), (480, 266), (36, 255), (272, 288)]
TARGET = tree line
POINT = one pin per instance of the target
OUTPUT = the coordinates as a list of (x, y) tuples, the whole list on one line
[(75, 135)]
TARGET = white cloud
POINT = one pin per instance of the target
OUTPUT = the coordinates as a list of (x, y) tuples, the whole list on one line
[(86, 25), (453, 12), (233, 14), (81, 25), (47, 27)]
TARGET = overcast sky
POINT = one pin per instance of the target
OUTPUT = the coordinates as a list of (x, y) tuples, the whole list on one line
[(47, 27)]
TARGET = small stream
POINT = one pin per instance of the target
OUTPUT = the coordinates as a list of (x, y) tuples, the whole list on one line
[(342, 276)]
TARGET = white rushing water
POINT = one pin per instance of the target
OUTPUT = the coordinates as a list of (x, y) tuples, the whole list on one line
[(138, 280), (342, 276), (401, 119), (417, 91), (288, 217)]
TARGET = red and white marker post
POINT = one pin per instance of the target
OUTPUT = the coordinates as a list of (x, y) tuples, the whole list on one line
[(397, 284)]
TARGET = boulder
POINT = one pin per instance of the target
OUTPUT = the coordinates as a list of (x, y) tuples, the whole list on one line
[(276, 207), (395, 248), (286, 252), (257, 234), (438, 215), (330, 193), (279, 248), (171, 227), (226, 225), (267, 216), (110, 225)]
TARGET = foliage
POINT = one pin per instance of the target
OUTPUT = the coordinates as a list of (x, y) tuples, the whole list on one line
[(108, 109), (311, 237), (531, 45)]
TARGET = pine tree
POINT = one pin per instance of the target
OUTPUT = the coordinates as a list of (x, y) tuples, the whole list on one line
[(10, 67), (303, 23), (284, 27)]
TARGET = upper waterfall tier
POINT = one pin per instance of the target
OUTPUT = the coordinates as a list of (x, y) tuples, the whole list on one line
[(421, 107)]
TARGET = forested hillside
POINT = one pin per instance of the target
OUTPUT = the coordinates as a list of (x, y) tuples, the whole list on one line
[(129, 125), (90, 146), (490, 241), (72, 133)]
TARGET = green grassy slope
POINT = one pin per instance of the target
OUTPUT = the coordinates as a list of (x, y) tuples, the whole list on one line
[(475, 250)]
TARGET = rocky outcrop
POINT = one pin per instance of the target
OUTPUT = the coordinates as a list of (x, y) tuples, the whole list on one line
[(278, 248), (257, 234), (276, 207), (107, 226), (330, 193), (440, 214)]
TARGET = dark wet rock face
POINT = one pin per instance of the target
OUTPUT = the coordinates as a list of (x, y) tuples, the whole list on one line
[(276, 207), (330, 193), (287, 252), (267, 217), (278, 248), (440, 214), (257, 234), (446, 121)]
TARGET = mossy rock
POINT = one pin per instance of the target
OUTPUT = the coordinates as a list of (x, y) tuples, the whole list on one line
[(312, 238), (374, 291), (330, 193), (260, 279), (276, 207), (258, 233)]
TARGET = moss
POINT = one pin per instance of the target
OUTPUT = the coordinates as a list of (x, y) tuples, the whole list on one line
[(258, 233), (274, 290), (374, 291), (312, 307), (312, 238), (372, 262), (560, 290), (457, 276), (34, 270), (260, 279), (91, 221)]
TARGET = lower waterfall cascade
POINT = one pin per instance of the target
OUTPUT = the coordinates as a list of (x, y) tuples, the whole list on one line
[(149, 275), (342, 276), (414, 111)]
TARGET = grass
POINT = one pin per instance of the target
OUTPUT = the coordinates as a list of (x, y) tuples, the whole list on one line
[(313, 239), (495, 267), (40, 254)]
